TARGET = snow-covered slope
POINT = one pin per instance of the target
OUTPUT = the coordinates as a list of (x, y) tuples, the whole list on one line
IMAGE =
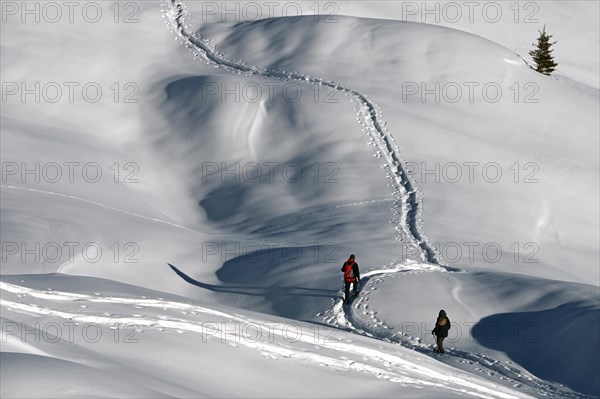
[(511, 152), (513, 25), (255, 181), (117, 336)]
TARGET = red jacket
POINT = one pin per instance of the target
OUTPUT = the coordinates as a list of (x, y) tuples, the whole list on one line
[(351, 273)]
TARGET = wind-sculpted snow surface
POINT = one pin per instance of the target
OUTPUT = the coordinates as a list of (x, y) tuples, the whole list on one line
[(112, 208), (406, 208), (360, 318), (226, 335), (272, 338), (363, 318)]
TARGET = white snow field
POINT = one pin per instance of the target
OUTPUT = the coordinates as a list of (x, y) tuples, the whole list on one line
[(181, 182)]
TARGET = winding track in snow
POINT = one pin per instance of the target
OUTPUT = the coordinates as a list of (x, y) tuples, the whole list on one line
[(358, 318), (406, 208)]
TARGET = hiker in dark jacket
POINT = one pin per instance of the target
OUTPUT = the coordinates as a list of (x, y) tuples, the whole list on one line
[(442, 325), (351, 276)]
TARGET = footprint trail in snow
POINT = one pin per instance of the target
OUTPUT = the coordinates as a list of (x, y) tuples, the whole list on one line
[(406, 210), (359, 318)]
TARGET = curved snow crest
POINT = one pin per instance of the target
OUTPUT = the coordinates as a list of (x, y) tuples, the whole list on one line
[(406, 209), (337, 353)]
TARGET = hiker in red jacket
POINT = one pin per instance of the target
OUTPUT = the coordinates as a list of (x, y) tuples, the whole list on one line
[(351, 276)]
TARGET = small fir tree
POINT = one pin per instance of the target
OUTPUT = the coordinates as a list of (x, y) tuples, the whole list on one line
[(542, 54)]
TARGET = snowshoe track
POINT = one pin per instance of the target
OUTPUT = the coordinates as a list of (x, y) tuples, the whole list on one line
[(361, 319), (358, 317), (405, 209)]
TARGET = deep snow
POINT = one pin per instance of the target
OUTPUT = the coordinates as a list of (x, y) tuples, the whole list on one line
[(261, 252)]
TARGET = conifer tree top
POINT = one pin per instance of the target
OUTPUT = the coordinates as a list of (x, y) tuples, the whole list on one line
[(542, 53)]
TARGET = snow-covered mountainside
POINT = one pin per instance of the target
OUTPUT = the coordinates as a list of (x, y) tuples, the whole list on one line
[(180, 188)]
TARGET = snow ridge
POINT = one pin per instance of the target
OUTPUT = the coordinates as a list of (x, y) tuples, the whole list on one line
[(405, 209)]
